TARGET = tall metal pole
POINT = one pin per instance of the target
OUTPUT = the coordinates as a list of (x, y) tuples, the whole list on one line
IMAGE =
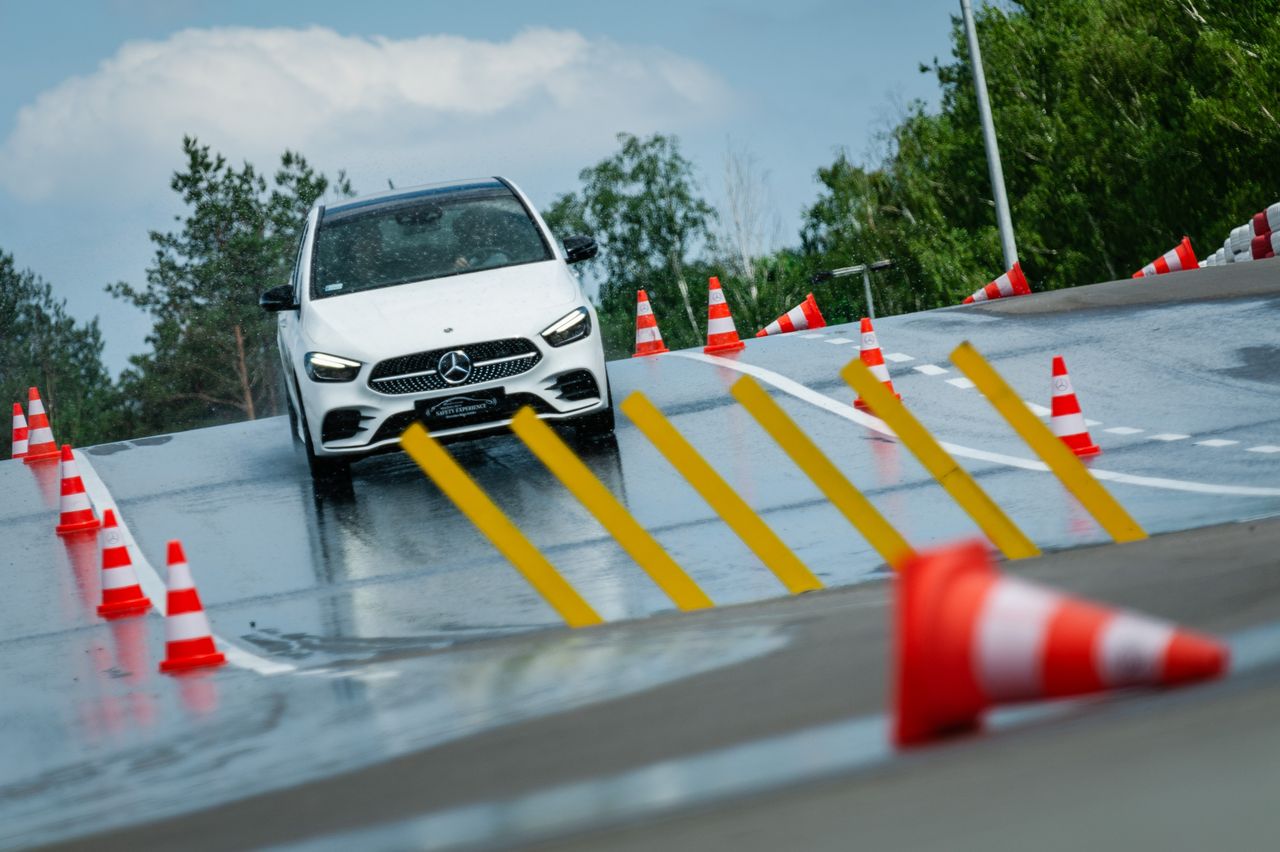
[(1003, 219)]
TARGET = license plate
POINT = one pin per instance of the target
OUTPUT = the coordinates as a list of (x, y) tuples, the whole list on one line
[(464, 407)]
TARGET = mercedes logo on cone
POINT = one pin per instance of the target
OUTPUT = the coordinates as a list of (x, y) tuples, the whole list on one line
[(454, 367)]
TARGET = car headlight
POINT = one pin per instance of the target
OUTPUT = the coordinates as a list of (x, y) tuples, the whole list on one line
[(574, 325), (330, 368)]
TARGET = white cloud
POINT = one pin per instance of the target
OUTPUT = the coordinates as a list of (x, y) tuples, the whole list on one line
[(414, 109)]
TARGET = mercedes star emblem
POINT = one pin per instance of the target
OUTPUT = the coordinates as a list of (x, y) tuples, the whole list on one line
[(454, 367)]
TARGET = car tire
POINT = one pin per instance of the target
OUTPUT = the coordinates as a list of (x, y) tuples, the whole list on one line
[(598, 424), (323, 468)]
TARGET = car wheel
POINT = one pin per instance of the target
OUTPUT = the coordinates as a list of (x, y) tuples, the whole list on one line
[(293, 418), (599, 423)]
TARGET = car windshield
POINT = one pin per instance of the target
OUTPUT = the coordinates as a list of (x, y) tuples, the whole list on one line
[(431, 234)]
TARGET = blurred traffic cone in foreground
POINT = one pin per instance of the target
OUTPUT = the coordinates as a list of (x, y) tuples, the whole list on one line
[(874, 359), (121, 594), (648, 337), (802, 316), (20, 432), (77, 512), (969, 638), (188, 637), (42, 447), (1067, 419), (722, 336), (1012, 283), (1174, 260)]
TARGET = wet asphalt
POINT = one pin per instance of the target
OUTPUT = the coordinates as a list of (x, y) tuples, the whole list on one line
[(398, 629)]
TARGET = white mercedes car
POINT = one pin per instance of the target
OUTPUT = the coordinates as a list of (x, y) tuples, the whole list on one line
[(449, 304)]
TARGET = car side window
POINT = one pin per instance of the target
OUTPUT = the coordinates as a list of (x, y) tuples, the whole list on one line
[(296, 279)]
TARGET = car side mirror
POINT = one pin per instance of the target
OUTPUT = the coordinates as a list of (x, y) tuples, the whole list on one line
[(278, 299), (580, 248)]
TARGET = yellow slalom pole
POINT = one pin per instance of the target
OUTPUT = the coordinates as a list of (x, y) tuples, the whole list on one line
[(1105, 509), (842, 493), (732, 508), (1003, 533), (505, 536), (543, 442)]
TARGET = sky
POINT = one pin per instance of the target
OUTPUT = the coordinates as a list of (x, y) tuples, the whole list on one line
[(95, 98)]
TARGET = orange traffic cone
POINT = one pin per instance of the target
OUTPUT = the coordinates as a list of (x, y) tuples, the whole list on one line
[(1012, 283), (805, 315), (20, 432), (1068, 421), (722, 336), (77, 512), (648, 337), (42, 447), (188, 637), (121, 594), (1174, 260), (968, 638), (874, 359)]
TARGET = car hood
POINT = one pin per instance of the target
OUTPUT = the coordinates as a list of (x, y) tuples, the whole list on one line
[(516, 301)]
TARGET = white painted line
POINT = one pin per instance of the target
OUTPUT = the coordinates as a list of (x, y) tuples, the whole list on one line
[(1264, 448), (149, 578), (848, 412), (1037, 409), (897, 357), (838, 341), (962, 383), (1216, 442), (1169, 436), (812, 336), (1122, 430), (1088, 422), (930, 369)]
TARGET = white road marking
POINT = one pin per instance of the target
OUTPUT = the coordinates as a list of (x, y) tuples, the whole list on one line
[(838, 341), (812, 336), (897, 357), (1122, 430), (848, 412), (149, 578), (1169, 436), (1037, 409), (1264, 448), (961, 382), (1088, 422), (930, 369), (1216, 442)]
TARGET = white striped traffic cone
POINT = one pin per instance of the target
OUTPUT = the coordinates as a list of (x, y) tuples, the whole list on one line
[(188, 637), (1067, 419), (648, 337), (722, 335), (968, 637), (77, 512), (1174, 260), (803, 316), (1012, 283), (20, 432), (121, 594), (42, 447), (874, 359)]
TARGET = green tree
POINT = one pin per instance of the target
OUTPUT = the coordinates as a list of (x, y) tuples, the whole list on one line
[(644, 207), (41, 345), (212, 355)]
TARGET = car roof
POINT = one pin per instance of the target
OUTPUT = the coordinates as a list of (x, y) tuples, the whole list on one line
[(410, 193)]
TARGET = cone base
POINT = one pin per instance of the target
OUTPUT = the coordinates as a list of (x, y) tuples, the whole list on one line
[(861, 405), (1084, 450), (78, 527), (124, 609), (40, 458), (724, 347), (197, 661)]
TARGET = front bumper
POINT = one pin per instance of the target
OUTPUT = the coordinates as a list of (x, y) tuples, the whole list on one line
[(380, 418)]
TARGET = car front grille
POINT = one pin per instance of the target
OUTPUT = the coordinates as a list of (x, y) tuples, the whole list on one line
[(490, 361)]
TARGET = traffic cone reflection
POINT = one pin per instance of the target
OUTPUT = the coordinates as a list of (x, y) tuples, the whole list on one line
[(968, 638), (1067, 419), (874, 359), (803, 316), (77, 512), (188, 637), (722, 335), (648, 337)]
